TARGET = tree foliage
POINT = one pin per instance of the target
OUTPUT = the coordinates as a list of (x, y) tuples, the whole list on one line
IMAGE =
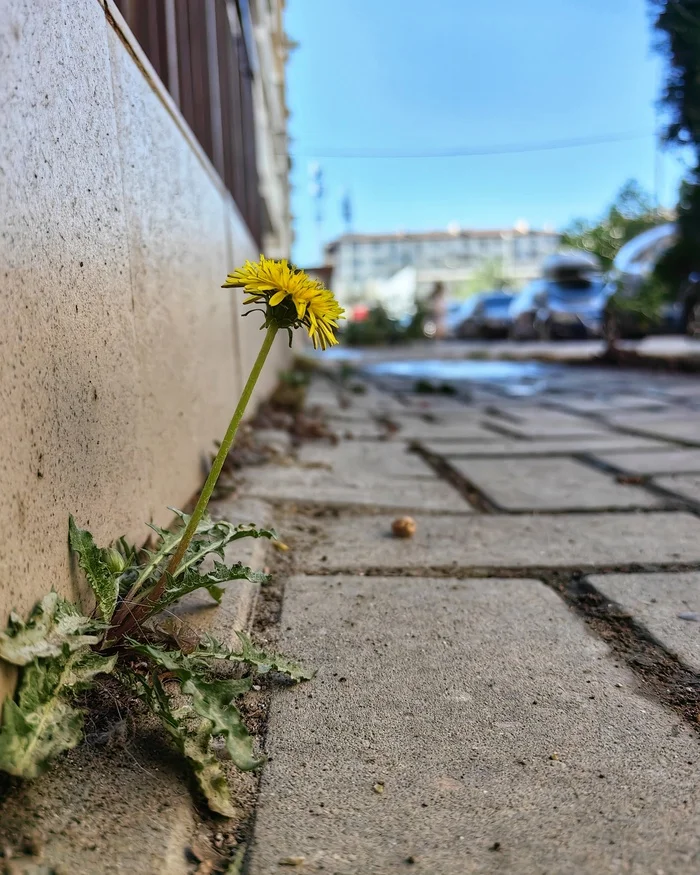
[(678, 27), (627, 216)]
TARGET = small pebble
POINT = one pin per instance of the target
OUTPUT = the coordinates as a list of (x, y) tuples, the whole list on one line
[(403, 527), (292, 861), (379, 787)]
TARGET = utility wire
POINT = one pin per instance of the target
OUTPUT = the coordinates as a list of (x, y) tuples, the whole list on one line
[(507, 149)]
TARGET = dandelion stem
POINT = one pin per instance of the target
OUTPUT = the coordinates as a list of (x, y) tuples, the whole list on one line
[(140, 611), (226, 445)]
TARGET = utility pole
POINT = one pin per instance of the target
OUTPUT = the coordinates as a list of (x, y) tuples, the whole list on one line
[(317, 192), (346, 210)]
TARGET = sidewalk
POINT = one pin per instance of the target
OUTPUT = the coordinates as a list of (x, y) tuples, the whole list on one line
[(511, 690)]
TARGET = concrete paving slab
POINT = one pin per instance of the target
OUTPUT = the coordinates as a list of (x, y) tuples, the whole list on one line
[(371, 401), (495, 541), (656, 600), (614, 403), (361, 428), (368, 458), (543, 447), (553, 428), (466, 726), (322, 393), (551, 484), (685, 485), (670, 462), (686, 430), (467, 428), (340, 489)]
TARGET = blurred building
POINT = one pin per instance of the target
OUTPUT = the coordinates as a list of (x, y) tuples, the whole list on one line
[(223, 64), (364, 264)]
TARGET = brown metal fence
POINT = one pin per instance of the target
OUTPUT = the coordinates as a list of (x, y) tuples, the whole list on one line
[(200, 50)]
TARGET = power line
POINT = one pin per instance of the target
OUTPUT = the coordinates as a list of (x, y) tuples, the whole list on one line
[(507, 149)]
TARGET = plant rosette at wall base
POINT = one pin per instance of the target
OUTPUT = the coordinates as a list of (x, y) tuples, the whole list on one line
[(60, 651)]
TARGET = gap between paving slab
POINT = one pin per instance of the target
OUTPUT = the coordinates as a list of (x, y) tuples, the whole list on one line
[(655, 601), (503, 736)]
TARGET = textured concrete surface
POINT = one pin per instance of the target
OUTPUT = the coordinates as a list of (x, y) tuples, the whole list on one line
[(685, 485), (550, 484), (670, 462), (501, 734), (385, 459), (565, 446), (338, 488), (503, 541), (656, 600)]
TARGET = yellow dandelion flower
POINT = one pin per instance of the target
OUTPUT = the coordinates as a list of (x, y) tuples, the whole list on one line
[(292, 298)]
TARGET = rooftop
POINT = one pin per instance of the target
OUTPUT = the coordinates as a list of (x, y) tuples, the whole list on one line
[(450, 234)]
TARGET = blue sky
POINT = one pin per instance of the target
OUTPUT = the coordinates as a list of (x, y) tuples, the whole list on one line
[(415, 76)]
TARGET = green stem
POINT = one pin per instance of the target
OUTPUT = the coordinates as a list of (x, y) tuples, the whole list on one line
[(226, 445), (125, 623)]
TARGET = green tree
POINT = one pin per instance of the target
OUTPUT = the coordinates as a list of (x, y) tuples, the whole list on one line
[(629, 214), (489, 276), (678, 26)]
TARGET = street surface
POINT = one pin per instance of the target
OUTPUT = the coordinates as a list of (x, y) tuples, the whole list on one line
[(516, 688), (665, 346)]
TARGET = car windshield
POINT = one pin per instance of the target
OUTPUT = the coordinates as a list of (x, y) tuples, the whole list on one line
[(576, 285)]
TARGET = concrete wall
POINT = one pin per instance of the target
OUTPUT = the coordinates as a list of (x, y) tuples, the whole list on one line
[(121, 359)]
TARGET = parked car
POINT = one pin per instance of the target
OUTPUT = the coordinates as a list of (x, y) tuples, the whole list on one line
[(567, 301), (633, 307), (486, 317), (457, 312)]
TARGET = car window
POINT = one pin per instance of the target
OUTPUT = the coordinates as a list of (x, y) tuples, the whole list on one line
[(646, 258)]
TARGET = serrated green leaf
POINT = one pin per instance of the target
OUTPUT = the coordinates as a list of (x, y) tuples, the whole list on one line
[(191, 579), (53, 625), (41, 722), (262, 661), (270, 661), (211, 699), (103, 582), (207, 769), (211, 537), (191, 735)]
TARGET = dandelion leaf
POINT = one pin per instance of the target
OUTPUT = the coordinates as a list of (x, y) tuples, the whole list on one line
[(41, 722), (54, 625), (211, 699), (103, 582)]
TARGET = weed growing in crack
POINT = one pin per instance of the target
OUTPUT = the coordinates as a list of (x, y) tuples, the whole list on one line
[(60, 651)]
